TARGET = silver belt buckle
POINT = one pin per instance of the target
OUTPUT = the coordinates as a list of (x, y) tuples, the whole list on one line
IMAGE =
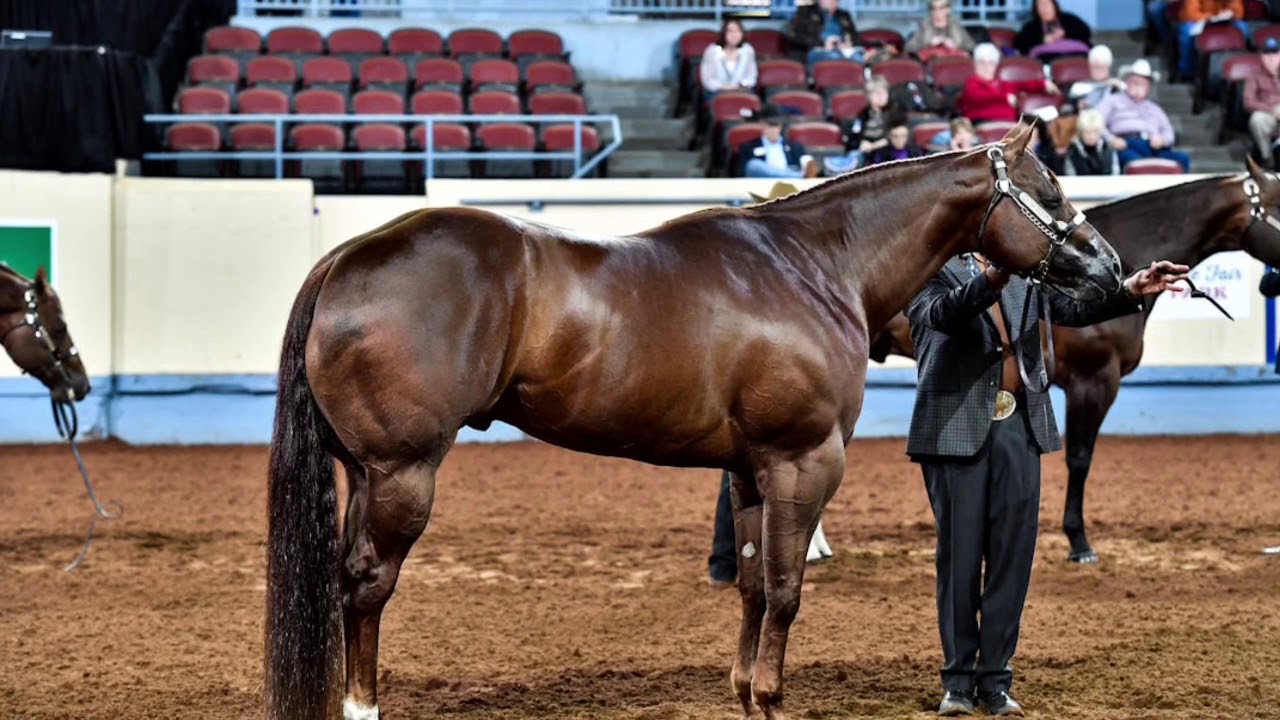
[(1006, 403)]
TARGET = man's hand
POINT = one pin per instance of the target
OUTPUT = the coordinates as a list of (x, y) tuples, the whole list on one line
[(1156, 142), (1118, 143), (996, 277), (1155, 279)]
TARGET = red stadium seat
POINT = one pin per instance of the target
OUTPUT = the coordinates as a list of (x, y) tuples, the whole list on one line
[(192, 137), (900, 70), (324, 71), (212, 69), (437, 102), (494, 74), (474, 41), (1256, 11), (808, 103), (689, 49), (385, 73), (379, 175), (693, 43), (203, 101), (781, 74), (1030, 102), (1020, 69), (817, 137), (729, 105), (446, 136), (557, 103), (874, 36), (273, 72), (319, 102), (438, 74), (847, 105), (735, 136), (1220, 38), (833, 75), (377, 102), (229, 39), (295, 40), (415, 41), (989, 132), (560, 138), (509, 137), (327, 175), (1001, 37), (253, 136), (950, 71), (1152, 166), (1068, 70), (1241, 67), (262, 101), (493, 102), (535, 42), (552, 75), (923, 132), (767, 42), (355, 41)]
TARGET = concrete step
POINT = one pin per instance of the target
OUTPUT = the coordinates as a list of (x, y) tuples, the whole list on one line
[(610, 97), (641, 133), (656, 163)]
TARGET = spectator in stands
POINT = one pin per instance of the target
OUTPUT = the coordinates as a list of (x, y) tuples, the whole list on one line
[(959, 136), (899, 147), (1135, 126), (870, 130), (1089, 153), (1090, 93), (1049, 33), (771, 155), (939, 34), (1192, 17), (1262, 101), (729, 64), (822, 31), (1042, 141), (986, 98)]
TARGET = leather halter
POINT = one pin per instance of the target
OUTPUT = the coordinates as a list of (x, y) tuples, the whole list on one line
[(1259, 221), (54, 358)]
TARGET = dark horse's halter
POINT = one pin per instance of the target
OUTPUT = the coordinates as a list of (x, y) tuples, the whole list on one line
[(64, 409), (1056, 230)]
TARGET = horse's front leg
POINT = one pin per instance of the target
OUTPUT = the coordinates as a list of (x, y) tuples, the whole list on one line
[(794, 494)]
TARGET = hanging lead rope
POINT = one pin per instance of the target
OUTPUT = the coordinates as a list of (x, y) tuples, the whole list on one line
[(68, 423)]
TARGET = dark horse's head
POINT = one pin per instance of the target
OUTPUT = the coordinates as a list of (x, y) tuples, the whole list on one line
[(1258, 216), (1030, 228), (35, 335)]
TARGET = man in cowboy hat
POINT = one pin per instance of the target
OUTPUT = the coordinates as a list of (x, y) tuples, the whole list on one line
[(1135, 125), (1262, 100)]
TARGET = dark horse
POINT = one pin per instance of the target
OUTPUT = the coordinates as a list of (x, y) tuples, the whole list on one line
[(728, 338), (35, 335), (1186, 224)]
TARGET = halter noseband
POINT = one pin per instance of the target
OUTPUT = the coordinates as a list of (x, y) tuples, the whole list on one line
[(1056, 230), (1257, 214), (31, 319)]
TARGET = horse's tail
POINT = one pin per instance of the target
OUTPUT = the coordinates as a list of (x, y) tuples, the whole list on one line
[(303, 642)]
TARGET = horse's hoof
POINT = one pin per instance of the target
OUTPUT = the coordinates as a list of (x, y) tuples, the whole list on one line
[(1085, 557)]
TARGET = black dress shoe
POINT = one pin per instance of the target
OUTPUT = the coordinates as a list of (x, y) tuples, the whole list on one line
[(1001, 705), (955, 703)]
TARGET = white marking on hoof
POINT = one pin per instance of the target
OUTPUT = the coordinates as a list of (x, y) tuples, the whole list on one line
[(352, 710), (749, 551)]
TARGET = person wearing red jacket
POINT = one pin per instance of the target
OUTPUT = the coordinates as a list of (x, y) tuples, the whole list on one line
[(986, 98)]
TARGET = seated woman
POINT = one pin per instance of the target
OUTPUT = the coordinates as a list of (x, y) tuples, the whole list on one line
[(1089, 153), (870, 130), (729, 64), (1050, 33), (939, 34), (986, 98), (898, 148)]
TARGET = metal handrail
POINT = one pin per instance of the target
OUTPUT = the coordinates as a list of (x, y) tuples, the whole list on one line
[(428, 154)]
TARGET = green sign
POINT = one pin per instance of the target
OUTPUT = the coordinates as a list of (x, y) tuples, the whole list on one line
[(27, 245)]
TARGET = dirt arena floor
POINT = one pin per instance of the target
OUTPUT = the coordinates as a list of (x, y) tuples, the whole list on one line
[(557, 585)]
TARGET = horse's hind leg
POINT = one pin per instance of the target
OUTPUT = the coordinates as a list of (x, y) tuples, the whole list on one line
[(748, 511), (794, 494), (386, 514), (1088, 400)]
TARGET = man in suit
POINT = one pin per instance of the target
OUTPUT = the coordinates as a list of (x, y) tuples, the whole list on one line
[(771, 155), (977, 434)]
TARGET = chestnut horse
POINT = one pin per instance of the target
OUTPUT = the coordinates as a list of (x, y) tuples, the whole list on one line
[(1185, 223), (730, 338), (35, 335)]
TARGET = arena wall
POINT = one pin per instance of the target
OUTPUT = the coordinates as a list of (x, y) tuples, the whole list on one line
[(177, 292)]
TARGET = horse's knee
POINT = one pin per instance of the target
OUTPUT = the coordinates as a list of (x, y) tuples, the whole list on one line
[(784, 602)]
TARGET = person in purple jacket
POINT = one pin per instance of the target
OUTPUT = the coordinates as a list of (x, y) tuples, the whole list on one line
[(1135, 125)]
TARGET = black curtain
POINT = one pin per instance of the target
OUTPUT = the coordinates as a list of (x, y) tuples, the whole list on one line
[(74, 108)]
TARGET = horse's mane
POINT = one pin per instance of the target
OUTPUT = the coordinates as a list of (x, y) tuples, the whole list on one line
[(850, 177)]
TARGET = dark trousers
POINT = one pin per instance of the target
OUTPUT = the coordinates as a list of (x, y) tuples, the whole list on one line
[(986, 508), (722, 564)]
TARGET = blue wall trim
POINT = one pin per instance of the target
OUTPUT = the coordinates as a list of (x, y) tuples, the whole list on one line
[(238, 409)]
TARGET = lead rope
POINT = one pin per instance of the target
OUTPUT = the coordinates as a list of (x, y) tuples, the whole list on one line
[(68, 423), (1049, 358)]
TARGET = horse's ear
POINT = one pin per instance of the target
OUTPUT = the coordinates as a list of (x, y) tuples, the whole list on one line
[(1016, 141), (1255, 172), (40, 280)]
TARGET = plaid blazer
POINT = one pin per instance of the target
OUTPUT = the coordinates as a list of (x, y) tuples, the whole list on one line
[(958, 358)]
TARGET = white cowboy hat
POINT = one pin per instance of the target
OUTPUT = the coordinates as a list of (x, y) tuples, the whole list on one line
[(1140, 67)]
